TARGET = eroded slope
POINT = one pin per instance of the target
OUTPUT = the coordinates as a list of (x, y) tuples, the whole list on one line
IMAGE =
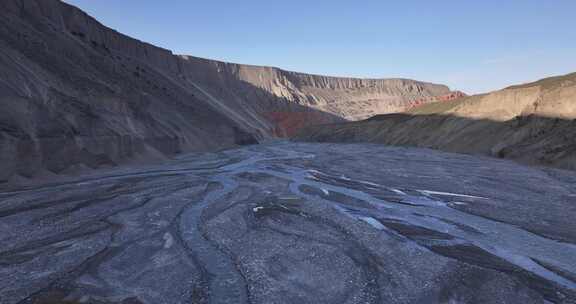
[(75, 94), (533, 123)]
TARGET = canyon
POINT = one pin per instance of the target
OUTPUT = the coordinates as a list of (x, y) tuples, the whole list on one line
[(133, 175), (77, 95), (533, 123)]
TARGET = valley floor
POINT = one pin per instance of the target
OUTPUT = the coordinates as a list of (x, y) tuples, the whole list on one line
[(296, 223)]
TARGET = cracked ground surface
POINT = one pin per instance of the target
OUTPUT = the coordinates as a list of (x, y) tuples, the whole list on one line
[(295, 223)]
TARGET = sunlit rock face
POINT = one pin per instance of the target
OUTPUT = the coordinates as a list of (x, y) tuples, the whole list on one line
[(534, 123), (77, 95)]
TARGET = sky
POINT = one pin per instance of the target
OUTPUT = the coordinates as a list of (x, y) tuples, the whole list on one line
[(473, 46)]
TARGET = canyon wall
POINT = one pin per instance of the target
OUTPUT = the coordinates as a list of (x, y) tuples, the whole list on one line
[(76, 94), (533, 123)]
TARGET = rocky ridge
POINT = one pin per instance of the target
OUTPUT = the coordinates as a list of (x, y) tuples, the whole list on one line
[(533, 123), (76, 94)]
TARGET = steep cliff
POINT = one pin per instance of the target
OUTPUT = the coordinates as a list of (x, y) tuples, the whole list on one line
[(76, 94), (533, 123), (281, 95)]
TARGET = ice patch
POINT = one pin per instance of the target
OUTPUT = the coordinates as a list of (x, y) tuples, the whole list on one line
[(370, 183), (458, 203), (256, 209), (398, 191), (449, 194), (372, 222)]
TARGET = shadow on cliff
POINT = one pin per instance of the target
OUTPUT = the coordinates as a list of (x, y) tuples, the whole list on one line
[(285, 116), (73, 135), (60, 147), (120, 109), (530, 139)]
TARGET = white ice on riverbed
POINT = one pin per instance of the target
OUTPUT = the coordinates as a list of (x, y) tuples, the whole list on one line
[(449, 194), (373, 222)]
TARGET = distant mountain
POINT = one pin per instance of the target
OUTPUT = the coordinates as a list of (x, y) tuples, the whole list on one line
[(75, 94), (533, 123)]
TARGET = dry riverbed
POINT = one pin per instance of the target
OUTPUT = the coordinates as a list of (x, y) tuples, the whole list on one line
[(295, 223)]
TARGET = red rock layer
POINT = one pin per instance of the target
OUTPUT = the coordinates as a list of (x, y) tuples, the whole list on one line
[(442, 98)]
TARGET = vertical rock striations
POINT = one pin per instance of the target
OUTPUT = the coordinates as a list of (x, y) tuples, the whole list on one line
[(75, 94)]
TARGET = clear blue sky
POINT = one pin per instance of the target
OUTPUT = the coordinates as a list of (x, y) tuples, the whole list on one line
[(470, 45)]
